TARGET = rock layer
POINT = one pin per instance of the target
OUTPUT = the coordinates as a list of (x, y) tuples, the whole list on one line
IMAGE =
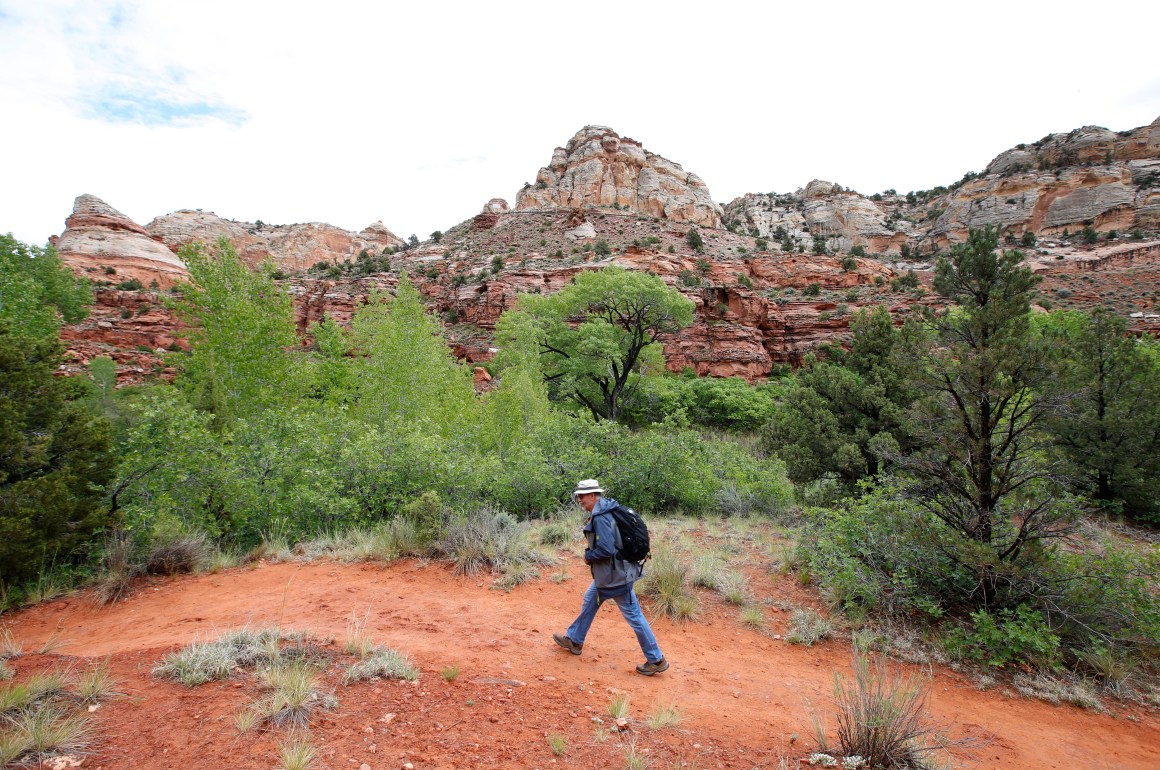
[(98, 239), (598, 167), (290, 247)]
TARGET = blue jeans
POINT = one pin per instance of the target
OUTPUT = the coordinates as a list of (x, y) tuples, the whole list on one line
[(630, 608)]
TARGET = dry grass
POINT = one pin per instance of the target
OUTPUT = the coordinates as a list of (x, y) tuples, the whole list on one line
[(882, 717), (665, 716), (618, 706), (807, 627), (382, 662)]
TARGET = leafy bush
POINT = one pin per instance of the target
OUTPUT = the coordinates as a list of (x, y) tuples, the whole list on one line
[(695, 241), (427, 514), (1005, 637), (813, 290)]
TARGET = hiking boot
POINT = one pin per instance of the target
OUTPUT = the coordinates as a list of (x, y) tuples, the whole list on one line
[(568, 644), (648, 668)]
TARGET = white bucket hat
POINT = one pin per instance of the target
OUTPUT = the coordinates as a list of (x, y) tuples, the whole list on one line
[(585, 487)]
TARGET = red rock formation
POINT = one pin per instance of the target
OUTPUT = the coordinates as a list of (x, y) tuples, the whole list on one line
[(598, 167), (100, 241)]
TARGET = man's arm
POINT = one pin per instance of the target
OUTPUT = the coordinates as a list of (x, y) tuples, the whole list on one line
[(604, 546)]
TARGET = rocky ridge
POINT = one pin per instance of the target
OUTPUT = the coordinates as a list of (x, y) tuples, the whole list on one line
[(774, 283), (598, 167)]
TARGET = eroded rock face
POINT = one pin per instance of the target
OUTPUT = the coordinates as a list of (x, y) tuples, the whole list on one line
[(97, 237), (290, 247), (1090, 176), (841, 218), (598, 167)]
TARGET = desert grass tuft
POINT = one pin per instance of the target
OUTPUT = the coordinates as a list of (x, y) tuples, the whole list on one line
[(1078, 692), (207, 661), (1115, 669), (95, 684), (195, 664), (667, 583), (357, 642), (807, 627), (46, 730), (9, 646), (558, 744), (382, 662), (735, 589), (297, 754), (486, 538), (556, 534), (24, 696), (247, 720), (882, 717), (618, 706), (450, 673), (665, 716), (516, 574), (753, 617), (294, 694), (175, 555)]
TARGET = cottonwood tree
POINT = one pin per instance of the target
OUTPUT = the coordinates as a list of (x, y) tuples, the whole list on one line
[(404, 370), (37, 292), (598, 336), (980, 466), (242, 335)]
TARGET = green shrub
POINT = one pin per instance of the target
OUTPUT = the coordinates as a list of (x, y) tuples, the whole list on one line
[(427, 514), (694, 240), (1005, 637), (813, 290), (602, 249)]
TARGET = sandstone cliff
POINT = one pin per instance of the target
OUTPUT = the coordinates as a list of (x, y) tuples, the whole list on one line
[(600, 168), (291, 247), (100, 240)]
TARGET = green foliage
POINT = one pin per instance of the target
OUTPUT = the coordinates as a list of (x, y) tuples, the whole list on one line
[(54, 460), (1110, 434), (600, 335), (730, 403), (241, 331), (980, 465), (1008, 636), (837, 416), (906, 282), (813, 290), (37, 292), (405, 371), (1089, 235), (427, 515), (602, 249), (695, 241), (1028, 240)]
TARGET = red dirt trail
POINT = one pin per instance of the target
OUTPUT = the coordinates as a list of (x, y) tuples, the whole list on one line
[(744, 695)]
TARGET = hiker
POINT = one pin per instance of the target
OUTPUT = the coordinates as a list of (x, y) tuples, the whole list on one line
[(612, 578)]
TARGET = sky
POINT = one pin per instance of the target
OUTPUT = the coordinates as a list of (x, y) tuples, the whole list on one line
[(418, 113)]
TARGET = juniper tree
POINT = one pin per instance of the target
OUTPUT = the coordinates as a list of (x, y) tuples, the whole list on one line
[(981, 463)]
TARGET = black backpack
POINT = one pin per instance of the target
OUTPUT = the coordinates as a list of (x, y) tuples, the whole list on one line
[(633, 534)]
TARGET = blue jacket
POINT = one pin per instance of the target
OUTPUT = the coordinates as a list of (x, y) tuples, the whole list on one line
[(611, 575)]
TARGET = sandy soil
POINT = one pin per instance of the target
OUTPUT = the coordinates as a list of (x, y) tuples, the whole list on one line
[(745, 695)]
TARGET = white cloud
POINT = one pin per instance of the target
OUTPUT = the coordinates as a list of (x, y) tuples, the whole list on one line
[(418, 113)]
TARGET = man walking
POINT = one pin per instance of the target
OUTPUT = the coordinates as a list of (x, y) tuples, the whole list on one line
[(612, 578)]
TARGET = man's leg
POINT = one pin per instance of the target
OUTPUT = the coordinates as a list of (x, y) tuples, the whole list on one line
[(579, 628), (630, 608)]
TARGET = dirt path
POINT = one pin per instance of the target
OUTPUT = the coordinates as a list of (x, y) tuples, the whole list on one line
[(743, 694)]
